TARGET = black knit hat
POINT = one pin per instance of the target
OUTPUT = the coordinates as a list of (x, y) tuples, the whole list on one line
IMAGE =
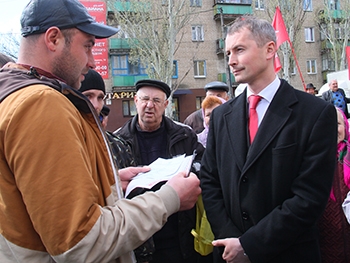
[(153, 83), (93, 80), (40, 15)]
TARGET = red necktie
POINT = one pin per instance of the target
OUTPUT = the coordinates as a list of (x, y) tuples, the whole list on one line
[(253, 116)]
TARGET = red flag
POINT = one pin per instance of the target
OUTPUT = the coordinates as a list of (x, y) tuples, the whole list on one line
[(278, 65), (347, 51), (280, 28)]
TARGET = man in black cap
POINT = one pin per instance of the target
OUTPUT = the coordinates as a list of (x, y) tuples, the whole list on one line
[(151, 136), (215, 88), (311, 89), (61, 196)]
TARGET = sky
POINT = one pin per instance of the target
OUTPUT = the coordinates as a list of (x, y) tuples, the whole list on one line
[(10, 14)]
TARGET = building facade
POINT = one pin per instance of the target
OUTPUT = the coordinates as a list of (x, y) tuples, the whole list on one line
[(201, 59)]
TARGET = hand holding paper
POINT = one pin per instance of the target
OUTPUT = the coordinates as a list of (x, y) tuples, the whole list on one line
[(161, 170)]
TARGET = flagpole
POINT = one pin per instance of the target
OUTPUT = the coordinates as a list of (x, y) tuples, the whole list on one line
[(297, 64), (282, 36)]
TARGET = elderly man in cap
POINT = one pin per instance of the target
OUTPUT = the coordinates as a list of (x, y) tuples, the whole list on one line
[(215, 88), (60, 193), (153, 135)]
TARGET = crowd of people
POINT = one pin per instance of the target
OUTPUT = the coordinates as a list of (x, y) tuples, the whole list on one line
[(274, 174)]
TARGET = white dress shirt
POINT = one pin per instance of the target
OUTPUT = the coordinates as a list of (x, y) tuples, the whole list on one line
[(266, 95)]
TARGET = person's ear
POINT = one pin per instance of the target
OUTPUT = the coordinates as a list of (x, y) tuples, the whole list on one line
[(271, 50), (53, 38)]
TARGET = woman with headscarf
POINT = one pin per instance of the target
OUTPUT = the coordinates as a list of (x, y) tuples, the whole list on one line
[(334, 228)]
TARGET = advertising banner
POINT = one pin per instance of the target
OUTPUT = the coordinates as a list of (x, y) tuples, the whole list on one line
[(98, 11)]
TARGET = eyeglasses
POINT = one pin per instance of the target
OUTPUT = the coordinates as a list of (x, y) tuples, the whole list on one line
[(145, 100)]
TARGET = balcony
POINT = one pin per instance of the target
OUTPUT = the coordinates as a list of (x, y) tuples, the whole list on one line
[(332, 13), (220, 45), (121, 45), (126, 81), (231, 9), (122, 6)]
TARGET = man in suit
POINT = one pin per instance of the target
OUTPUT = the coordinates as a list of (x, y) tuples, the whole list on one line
[(337, 97), (263, 197)]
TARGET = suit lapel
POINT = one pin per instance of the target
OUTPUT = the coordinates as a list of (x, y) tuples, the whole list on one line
[(236, 128), (274, 120)]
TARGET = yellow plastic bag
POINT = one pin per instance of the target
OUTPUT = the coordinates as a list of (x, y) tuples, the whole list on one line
[(203, 236)]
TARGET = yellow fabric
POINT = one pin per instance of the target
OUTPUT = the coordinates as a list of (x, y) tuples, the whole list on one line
[(203, 236)]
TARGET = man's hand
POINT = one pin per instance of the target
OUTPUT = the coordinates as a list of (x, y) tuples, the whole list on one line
[(187, 189), (126, 174), (233, 252)]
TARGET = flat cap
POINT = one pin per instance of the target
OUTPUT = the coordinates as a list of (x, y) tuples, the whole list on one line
[(40, 15), (153, 83), (216, 85)]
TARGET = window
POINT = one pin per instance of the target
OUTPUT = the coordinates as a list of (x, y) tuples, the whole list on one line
[(197, 3), (197, 33), (176, 111), (324, 62), (338, 31), (307, 5), (285, 5), (309, 34), (311, 66), (122, 66), (259, 4), (292, 67), (199, 101), (334, 4), (129, 108), (175, 70), (199, 69), (327, 63)]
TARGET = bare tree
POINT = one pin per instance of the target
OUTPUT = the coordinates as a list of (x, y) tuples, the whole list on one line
[(334, 21), (153, 29), (9, 44)]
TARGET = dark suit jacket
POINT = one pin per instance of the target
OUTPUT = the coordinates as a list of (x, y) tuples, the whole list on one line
[(328, 96), (271, 193)]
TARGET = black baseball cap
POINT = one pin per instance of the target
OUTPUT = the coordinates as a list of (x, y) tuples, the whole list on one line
[(40, 15), (216, 85), (153, 83)]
